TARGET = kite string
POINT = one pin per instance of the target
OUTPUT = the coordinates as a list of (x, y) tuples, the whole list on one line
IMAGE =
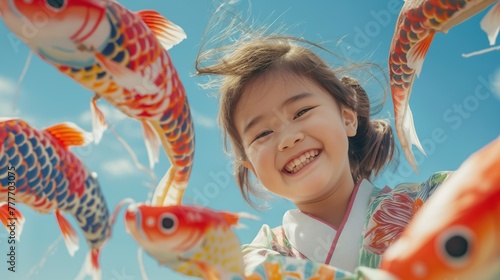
[(51, 249), (139, 166), (494, 48), (141, 264), (21, 79)]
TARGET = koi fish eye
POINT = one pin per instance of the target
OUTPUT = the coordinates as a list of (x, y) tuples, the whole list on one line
[(168, 223), (56, 4), (455, 245)]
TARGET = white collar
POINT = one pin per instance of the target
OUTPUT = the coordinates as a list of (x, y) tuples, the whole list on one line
[(320, 242)]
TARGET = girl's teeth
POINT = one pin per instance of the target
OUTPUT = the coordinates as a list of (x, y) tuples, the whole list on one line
[(302, 164), (301, 161)]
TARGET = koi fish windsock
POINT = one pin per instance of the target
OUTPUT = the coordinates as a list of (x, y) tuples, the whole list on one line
[(417, 23), (122, 57), (456, 234), (191, 240), (38, 169)]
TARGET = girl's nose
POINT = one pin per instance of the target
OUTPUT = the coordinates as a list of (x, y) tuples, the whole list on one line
[(290, 140)]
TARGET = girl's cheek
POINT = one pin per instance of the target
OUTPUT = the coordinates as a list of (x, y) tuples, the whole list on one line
[(251, 153), (258, 155)]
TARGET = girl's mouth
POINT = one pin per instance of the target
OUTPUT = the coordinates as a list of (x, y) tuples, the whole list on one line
[(296, 164)]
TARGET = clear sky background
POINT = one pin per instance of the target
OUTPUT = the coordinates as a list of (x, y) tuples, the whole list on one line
[(455, 105)]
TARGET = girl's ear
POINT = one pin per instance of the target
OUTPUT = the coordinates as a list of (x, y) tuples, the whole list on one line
[(350, 121)]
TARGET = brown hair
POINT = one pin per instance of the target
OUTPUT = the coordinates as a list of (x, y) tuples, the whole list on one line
[(369, 150)]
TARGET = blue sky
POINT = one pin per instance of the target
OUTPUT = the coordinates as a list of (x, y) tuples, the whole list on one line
[(454, 102)]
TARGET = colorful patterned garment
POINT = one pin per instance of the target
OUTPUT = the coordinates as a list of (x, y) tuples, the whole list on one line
[(387, 213), (280, 267)]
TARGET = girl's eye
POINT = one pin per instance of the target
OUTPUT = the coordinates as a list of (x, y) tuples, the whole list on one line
[(302, 112), (262, 134)]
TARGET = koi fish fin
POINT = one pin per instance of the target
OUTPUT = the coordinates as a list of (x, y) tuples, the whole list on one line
[(6, 119), (163, 188), (12, 219), (91, 266), (69, 234), (416, 54), (99, 124), (491, 23), (209, 272), (152, 143), (125, 77), (69, 134), (167, 33), (233, 218), (408, 136)]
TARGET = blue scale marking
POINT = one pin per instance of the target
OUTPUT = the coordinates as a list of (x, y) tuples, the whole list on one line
[(45, 171), (19, 138), (11, 151), (29, 159), (21, 171)]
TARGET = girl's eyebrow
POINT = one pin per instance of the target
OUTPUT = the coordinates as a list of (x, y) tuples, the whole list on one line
[(287, 102)]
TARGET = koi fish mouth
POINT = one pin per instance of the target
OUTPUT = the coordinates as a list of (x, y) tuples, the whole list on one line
[(296, 164), (132, 214), (133, 221)]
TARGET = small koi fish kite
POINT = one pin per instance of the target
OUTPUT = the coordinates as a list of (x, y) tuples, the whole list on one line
[(418, 22), (122, 57), (191, 240), (455, 235), (200, 242), (38, 169)]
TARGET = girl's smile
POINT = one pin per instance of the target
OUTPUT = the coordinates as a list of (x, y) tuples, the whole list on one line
[(298, 163)]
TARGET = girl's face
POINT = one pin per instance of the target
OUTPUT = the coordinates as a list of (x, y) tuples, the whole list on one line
[(295, 137)]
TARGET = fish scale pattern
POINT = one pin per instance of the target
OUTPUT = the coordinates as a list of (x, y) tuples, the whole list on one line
[(49, 177), (416, 23), (132, 45), (218, 249)]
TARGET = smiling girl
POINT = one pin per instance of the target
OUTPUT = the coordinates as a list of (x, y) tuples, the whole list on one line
[(307, 136)]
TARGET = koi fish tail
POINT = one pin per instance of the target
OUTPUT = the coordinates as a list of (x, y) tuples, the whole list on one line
[(91, 265), (491, 23), (402, 78), (407, 136), (177, 136), (12, 219), (99, 124)]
